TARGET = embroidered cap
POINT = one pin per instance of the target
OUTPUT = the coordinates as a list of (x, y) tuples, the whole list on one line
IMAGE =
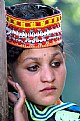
[(34, 33)]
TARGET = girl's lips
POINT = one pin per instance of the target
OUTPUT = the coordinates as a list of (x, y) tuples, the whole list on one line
[(48, 89)]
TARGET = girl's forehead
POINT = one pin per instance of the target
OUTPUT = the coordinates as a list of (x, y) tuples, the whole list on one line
[(39, 53)]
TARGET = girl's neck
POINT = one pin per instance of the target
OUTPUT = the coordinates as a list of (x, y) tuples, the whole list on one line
[(41, 107)]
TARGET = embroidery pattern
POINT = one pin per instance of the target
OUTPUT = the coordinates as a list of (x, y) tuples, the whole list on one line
[(66, 116)]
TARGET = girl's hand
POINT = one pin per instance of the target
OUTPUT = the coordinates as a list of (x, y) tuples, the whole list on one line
[(20, 110)]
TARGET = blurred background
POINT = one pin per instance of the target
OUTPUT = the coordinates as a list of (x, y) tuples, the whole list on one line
[(71, 35)]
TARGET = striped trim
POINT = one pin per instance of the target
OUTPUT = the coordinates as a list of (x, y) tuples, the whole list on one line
[(38, 115)]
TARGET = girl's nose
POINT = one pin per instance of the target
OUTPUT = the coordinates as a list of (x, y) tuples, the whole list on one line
[(47, 75)]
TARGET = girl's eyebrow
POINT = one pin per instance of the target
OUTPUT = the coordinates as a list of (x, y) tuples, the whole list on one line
[(56, 53), (38, 58), (31, 58)]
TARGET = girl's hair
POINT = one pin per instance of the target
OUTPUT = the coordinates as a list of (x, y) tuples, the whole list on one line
[(26, 11)]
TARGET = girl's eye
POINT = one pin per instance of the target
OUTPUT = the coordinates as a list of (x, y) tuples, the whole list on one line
[(33, 68), (55, 64)]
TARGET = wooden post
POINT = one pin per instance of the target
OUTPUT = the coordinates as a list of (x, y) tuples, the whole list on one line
[(3, 65)]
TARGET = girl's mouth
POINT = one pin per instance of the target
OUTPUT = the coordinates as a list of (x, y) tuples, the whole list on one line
[(49, 89)]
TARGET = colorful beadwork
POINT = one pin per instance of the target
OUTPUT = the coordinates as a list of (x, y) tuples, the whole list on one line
[(34, 33)]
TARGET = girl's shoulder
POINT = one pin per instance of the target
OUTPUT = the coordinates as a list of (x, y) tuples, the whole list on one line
[(68, 114), (74, 108)]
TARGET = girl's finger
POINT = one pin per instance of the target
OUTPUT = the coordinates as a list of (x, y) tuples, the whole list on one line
[(21, 94)]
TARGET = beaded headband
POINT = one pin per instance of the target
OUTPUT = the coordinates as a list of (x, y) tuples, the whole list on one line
[(34, 33)]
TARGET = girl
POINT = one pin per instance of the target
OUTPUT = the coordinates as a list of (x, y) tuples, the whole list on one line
[(36, 64)]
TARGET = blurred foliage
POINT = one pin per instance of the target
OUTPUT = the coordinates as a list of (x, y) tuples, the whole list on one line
[(49, 2), (72, 9), (12, 2)]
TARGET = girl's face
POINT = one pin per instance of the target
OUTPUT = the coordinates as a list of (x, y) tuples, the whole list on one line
[(41, 73)]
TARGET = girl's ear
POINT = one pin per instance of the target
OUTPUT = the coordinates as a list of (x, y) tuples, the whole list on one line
[(9, 74), (9, 78)]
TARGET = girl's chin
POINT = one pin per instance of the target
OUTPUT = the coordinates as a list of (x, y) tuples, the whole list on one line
[(47, 102), (42, 106)]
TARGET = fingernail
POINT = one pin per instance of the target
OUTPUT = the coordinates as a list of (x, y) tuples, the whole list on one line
[(17, 84)]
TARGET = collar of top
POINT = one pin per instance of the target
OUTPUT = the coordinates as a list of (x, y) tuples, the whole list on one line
[(34, 33)]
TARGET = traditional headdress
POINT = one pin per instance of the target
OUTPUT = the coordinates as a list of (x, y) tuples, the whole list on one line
[(35, 33)]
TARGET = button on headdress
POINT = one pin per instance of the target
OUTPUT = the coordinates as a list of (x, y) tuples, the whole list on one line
[(34, 33)]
